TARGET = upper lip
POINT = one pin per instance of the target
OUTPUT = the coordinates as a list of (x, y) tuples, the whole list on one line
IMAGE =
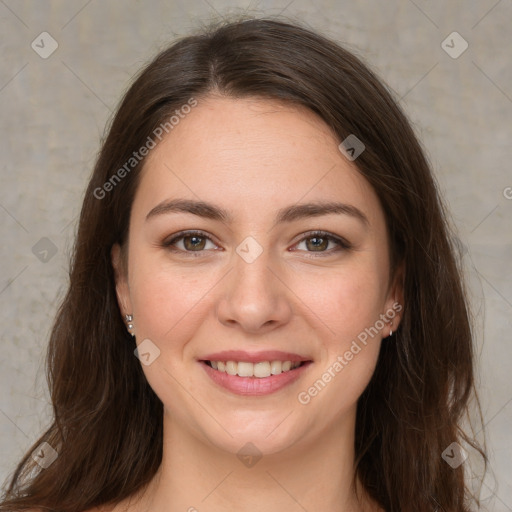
[(254, 357)]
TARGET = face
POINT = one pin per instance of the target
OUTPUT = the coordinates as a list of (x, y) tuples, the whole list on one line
[(299, 295)]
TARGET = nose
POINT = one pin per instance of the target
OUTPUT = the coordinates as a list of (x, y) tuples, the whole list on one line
[(255, 297)]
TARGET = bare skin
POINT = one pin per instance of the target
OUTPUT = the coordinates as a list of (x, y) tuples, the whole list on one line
[(303, 294)]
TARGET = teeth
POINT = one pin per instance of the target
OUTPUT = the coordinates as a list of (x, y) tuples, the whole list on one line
[(276, 367), (231, 368), (244, 369), (260, 370)]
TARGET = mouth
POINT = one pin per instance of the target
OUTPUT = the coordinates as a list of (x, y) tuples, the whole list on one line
[(260, 370), (243, 373)]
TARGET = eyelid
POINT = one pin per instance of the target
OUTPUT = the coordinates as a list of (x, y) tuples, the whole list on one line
[(167, 243), (343, 244)]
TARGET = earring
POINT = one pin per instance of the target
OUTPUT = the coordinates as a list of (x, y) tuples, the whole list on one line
[(129, 320)]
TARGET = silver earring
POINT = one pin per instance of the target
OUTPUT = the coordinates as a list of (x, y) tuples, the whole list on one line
[(129, 320), (390, 332)]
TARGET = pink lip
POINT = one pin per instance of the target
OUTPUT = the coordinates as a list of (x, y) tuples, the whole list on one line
[(253, 386), (254, 357)]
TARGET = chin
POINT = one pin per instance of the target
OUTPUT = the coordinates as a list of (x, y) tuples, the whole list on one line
[(258, 433)]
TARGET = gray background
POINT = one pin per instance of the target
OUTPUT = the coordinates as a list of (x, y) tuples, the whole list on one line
[(53, 113)]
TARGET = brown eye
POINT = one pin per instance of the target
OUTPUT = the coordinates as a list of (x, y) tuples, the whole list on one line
[(319, 242), (316, 242), (191, 241), (194, 242)]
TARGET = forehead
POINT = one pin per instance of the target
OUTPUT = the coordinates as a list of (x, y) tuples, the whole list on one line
[(250, 130), (252, 155)]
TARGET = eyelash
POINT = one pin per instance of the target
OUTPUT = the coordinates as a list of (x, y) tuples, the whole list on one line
[(342, 244)]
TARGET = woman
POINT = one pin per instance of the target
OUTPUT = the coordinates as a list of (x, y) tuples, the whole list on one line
[(265, 311)]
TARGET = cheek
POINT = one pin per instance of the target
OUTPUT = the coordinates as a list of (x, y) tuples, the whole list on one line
[(350, 343), (345, 308), (344, 301), (170, 302), (168, 306)]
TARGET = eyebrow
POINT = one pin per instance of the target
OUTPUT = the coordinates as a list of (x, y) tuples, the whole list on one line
[(287, 214)]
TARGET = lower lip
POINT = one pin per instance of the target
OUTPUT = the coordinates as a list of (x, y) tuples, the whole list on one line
[(254, 386)]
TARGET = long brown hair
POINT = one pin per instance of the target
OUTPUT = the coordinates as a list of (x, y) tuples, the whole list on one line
[(107, 425)]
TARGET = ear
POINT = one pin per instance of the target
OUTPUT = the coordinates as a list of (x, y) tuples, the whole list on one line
[(395, 300), (121, 280)]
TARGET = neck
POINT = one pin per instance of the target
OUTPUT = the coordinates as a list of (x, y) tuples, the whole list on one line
[(196, 475)]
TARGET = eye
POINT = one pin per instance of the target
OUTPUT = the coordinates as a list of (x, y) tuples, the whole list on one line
[(196, 241), (191, 241), (318, 241)]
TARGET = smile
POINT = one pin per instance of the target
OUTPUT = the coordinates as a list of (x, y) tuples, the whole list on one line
[(254, 374), (258, 370)]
